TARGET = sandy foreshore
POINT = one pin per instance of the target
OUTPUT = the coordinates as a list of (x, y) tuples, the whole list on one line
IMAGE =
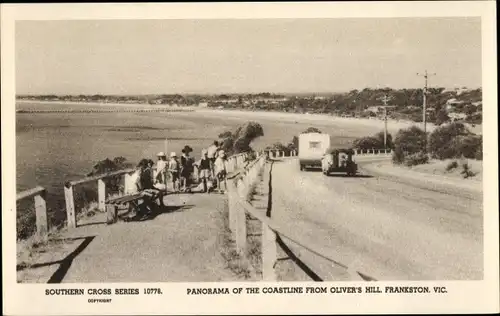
[(99, 104), (393, 125)]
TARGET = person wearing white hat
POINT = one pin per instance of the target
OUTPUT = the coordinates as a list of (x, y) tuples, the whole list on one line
[(161, 169), (220, 169), (174, 169)]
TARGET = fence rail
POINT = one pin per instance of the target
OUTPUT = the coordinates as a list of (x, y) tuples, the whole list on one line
[(293, 153), (101, 190)]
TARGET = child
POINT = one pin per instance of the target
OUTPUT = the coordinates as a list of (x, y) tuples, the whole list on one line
[(204, 169), (220, 169), (161, 169), (174, 169)]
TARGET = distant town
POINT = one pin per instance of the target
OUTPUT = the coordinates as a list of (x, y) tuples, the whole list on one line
[(443, 105)]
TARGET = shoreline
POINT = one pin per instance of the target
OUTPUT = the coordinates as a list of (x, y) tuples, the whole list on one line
[(147, 105), (270, 115)]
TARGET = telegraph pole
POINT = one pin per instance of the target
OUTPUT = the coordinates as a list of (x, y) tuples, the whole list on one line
[(385, 99), (424, 114)]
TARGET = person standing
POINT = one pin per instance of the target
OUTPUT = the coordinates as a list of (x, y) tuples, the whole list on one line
[(212, 151), (220, 170), (204, 169), (174, 169), (161, 169), (187, 168)]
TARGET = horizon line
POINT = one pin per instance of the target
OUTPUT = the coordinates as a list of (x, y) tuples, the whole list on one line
[(240, 93)]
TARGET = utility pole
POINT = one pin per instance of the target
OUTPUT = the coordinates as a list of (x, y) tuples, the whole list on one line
[(385, 99), (424, 114)]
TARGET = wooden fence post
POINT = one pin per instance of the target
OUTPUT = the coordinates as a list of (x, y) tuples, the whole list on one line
[(70, 205), (241, 225), (232, 195), (265, 176), (269, 253), (41, 214), (101, 189)]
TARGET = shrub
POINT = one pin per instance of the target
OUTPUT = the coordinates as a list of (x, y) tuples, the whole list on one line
[(466, 172), (416, 159), (312, 130), (244, 135), (479, 153), (107, 165), (408, 141), (452, 165), (239, 141), (441, 117), (454, 141), (468, 146), (367, 143), (280, 147), (375, 141), (398, 156), (25, 219)]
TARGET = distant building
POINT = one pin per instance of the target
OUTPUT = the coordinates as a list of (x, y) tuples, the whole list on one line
[(457, 116), (374, 109), (454, 101)]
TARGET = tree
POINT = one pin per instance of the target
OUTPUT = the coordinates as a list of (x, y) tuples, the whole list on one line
[(225, 134), (367, 143), (108, 165), (375, 141), (441, 117), (312, 130), (279, 146), (453, 141), (245, 134), (239, 141), (389, 142), (409, 141)]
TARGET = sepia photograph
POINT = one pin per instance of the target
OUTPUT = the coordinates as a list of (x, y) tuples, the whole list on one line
[(282, 150)]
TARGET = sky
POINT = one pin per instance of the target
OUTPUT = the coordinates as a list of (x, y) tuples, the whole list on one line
[(245, 56)]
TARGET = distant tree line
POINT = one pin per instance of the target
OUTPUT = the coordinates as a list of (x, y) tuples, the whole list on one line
[(358, 103)]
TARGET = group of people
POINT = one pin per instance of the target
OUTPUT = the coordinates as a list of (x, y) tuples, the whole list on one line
[(210, 170)]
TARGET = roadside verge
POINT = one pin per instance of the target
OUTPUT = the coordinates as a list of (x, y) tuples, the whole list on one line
[(429, 181)]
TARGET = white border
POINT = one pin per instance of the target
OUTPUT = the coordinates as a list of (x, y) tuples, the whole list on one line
[(463, 297)]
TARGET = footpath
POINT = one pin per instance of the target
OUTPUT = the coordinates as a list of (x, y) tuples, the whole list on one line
[(182, 242)]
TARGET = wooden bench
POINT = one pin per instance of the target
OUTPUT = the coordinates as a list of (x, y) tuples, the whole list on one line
[(132, 201)]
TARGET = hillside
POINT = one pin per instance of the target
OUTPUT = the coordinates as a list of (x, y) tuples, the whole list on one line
[(406, 104)]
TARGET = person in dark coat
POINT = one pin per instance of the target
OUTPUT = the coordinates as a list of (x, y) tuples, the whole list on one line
[(187, 168)]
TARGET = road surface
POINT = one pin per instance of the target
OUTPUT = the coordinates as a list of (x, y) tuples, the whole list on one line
[(386, 228)]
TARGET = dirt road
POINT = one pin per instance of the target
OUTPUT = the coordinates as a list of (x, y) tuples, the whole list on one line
[(387, 228)]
